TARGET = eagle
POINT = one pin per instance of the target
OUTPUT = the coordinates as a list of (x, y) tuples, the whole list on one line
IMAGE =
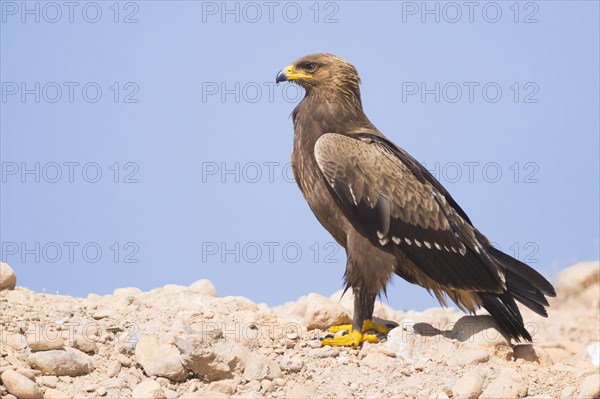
[(390, 213)]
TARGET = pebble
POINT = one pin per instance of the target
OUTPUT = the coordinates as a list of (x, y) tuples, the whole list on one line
[(20, 386), (468, 386), (260, 367), (61, 363), (204, 287), (322, 312), (590, 386), (291, 363), (43, 342), (8, 278), (148, 389), (473, 356), (509, 384), (113, 368), (85, 344), (157, 359)]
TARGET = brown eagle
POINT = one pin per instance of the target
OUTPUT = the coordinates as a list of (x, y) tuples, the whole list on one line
[(390, 214)]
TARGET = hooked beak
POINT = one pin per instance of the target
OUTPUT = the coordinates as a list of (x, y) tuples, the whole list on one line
[(287, 74)]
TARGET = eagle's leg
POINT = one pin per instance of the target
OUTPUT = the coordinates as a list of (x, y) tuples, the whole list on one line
[(364, 303)]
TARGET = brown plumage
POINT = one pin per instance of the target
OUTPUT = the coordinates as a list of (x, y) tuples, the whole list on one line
[(389, 213)]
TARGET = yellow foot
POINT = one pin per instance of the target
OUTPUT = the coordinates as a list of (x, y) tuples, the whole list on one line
[(367, 325), (353, 338)]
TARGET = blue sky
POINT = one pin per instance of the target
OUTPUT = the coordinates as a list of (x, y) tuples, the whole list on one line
[(145, 143)]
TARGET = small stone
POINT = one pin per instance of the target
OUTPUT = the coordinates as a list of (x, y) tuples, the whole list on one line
[(61, 363), (214, 361), (113, 368), (20, 386), (124, 360), (85, 344), (224, 386), (266, 386), (101, 314), (8, 278), (326, 351), (590, 386), (468, 386), (157, 359), (48, 381), (260, 367), (291, 363), (204, 287), (531, 353), (509, 384), (473, 356), (322, 312), (101, 391), (148, 389), (170, 394), (52, 393), (593, 350), (44, 342)]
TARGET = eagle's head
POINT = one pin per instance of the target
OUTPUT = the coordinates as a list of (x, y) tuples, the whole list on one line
[(322, 72)]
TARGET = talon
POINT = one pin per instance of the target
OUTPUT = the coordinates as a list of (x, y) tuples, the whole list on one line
[(334, 329), (370, 325), (353, 339)]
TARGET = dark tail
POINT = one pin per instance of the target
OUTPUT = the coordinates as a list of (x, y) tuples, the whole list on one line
[(523, 284)]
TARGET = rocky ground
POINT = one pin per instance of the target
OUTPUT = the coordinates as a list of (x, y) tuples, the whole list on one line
[(186, 342)]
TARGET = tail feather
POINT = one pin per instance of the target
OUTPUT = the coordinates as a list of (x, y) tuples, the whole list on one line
[(524, 271), (504, 310), (523, 284)]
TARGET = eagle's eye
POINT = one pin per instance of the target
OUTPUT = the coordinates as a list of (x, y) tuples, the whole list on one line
[(310, 67)]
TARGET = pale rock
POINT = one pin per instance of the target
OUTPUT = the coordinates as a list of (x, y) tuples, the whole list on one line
[(594, 351), (61, 363), (149, 389), (163, 360), (227, 387), (48, 381), (478, 331), (17, 296), (375, 360), (20, 386), (322, 313), (590, 387), (113, 368), (52, 393), (568, 392), (101, 391), (572, 281), (473, 356), (127, 292), (204, 287), (113, 383), (44, 342), (212, 360), (170, 394), (291, 363), (102, 313), (325, 351), (8, 278), (259, 367), (85, 344), (124, 360), (266, 386), (509, 384), (468, 386), (532, 353)]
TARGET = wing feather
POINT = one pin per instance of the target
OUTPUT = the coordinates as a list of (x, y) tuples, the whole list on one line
[(399, 206)]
